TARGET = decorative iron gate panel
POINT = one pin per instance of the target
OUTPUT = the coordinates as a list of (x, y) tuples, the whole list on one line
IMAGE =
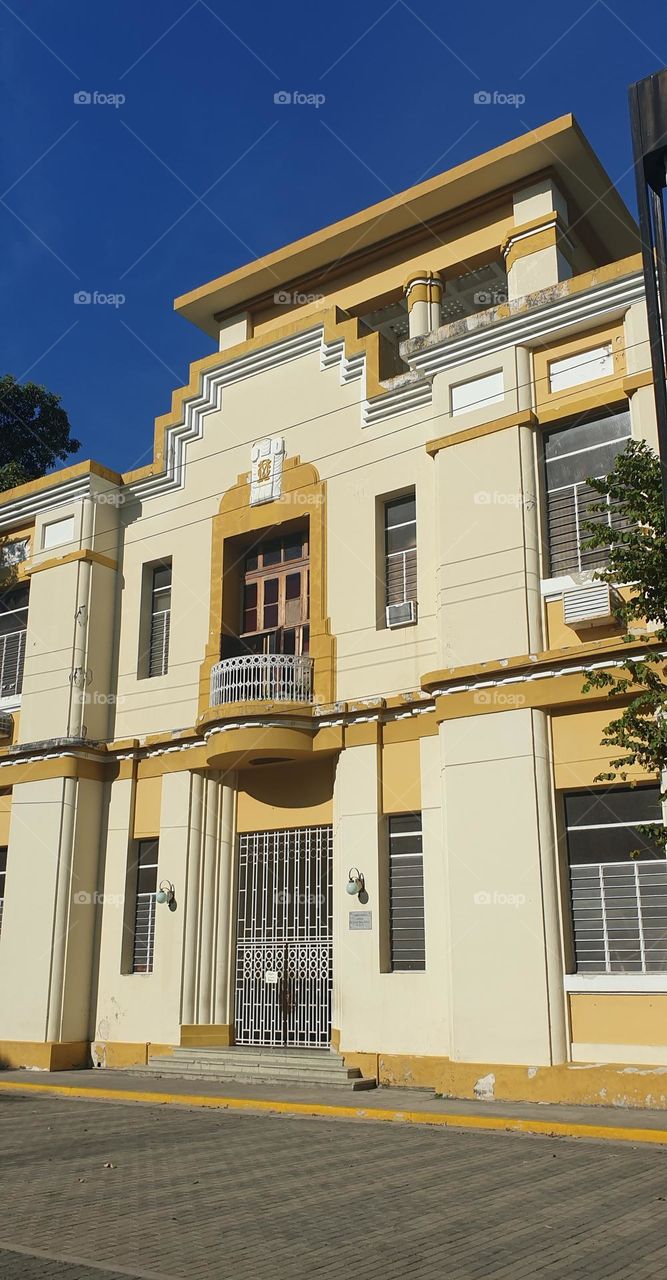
[(284, 938)]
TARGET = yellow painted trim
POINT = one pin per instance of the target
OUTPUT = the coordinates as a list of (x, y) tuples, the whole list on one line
[(635, 381), (56, 478), (547, 239), (526, 662), (43, 770), (609, 395), (363, 735), (506, 168), (236, 519), (423, 287), (88, 557), (198, 1035), (544, 221), (523, 418), (155, 766), (237, 748), (415, 727), (46, 1055), (497, 1124), (562, 403)]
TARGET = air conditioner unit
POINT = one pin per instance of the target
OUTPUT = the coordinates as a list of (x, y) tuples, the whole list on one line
[(589, 606), (398, 615)]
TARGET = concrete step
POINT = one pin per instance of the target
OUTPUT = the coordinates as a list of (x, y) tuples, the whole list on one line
[(251, 1079), (258, 1065)]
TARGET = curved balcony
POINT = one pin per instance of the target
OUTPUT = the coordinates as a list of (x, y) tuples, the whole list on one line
[(262, 677)]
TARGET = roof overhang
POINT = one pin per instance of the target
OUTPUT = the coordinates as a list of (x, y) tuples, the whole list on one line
[(559, 146)]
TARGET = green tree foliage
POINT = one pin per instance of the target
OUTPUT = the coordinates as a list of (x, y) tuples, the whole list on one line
[(34, 431), (637, 558)]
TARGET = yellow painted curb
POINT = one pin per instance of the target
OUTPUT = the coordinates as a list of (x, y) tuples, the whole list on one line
[(502, 1124)]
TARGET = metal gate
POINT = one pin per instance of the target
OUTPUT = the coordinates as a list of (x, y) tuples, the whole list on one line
[(284, 937)]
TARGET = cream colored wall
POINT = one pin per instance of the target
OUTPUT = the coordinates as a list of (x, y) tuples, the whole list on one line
[(504, 964), (50, 910), (488, 573), (5, 815), (71, 620), (370, 660), (143, 1007), (374, 1010), (84, 912)]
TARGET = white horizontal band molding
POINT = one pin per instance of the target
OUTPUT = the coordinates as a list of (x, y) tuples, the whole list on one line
[(552, 318), (527, 677), (11, 513), (615, 982)]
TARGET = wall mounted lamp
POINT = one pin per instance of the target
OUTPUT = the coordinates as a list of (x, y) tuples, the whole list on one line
[(355, 883)]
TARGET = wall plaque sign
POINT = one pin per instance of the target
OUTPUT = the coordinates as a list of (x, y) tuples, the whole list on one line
[(361, 919), (266, 476)]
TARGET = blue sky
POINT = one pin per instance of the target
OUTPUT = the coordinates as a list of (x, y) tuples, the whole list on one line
[(199, 170)]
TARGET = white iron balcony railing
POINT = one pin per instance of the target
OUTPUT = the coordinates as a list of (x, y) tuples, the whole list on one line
[(262, 677), (12, 654)]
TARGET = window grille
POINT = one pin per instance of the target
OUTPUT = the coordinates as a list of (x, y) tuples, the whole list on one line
[(400, 534), (406, 893), (618, 881), (158, 657), (572, 455), (144, 915)]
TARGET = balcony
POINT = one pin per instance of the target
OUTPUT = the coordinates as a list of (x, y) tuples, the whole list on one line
[(12, 653), (262, 677)]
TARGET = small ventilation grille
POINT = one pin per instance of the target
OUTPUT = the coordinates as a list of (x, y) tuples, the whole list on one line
[(588, 606)]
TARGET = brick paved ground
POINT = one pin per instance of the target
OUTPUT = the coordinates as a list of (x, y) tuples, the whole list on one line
[(205, 1195)]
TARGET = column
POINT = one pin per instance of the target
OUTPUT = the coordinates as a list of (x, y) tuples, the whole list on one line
[(191, 903), (223, 1009), (508, 1003), (423, 294), (210, 846)]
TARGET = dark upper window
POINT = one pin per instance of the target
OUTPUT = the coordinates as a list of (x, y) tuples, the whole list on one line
[(400, 545), (158, 657), (13, 626), (572, 455), (275, 605)]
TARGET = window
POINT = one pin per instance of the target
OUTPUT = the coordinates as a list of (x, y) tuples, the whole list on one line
[(14, 552), (400, 543), (585, 366), (158, 657), (572, 455), (58, 533), (406, 893), (3, 877), (618, 881), (13, 626), (478, 393), (275, 606), (144, 916)]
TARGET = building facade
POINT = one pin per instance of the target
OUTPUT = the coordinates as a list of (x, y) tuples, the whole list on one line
[(295, 749)]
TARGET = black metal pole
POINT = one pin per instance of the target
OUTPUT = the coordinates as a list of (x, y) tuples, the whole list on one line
[(656, 338)]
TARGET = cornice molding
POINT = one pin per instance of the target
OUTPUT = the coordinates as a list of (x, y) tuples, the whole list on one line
[(527, 329)]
